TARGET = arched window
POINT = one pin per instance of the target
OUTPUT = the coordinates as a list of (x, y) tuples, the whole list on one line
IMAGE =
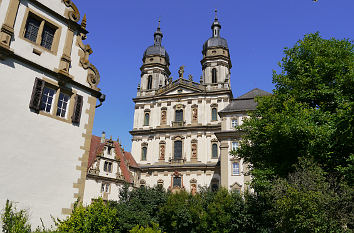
[(149, 86), (214, 114), (214, 78), (214, 151), (177, 150), (146, 118), (179, 115), (143, 153)]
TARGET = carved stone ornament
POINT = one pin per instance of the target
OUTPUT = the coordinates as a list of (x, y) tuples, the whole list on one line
[(162, 151), (93, 76), (163, 117), (181, 71), (195, 114), (74, 14), (194, 150), (190, 77)]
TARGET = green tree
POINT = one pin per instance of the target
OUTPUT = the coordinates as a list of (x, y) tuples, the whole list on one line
[(310, 114), (14, 220), (307, 202), (139, 207), (97, 217)]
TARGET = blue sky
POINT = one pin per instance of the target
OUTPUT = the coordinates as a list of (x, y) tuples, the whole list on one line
[(257, 32)]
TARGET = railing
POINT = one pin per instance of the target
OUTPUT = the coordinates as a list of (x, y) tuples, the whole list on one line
[(177, 160), (178, 123)]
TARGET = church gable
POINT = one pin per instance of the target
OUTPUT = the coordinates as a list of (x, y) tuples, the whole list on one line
[(181, 86)]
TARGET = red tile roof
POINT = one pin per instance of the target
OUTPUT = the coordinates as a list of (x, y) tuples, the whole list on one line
[(126, 159)]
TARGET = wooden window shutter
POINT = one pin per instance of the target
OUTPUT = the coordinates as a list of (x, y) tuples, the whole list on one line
[(77, 109), (37, 94)]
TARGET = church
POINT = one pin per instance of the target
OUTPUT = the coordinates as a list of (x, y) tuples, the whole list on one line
[(184, 130)]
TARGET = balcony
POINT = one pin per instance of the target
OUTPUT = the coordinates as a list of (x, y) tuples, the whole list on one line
[(177, 160), (178, 123)]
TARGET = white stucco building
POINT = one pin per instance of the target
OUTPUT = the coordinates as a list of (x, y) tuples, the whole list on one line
[(46, 122), (110, 167)]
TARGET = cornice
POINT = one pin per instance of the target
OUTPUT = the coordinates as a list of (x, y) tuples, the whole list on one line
[(61, 76), (228, 134), (179, 96), (216, 127), (109, 179), (173, 167)]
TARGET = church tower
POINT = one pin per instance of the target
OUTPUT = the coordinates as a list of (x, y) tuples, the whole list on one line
[(216, 62), (155, 69)]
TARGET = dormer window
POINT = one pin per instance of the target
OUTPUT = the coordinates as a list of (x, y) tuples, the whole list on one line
[(149, 84), (107, 167), (214, 76)]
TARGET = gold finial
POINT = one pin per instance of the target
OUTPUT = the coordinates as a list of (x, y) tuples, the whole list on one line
[(84, 22)]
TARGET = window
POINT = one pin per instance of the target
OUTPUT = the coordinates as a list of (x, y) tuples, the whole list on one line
[(62, 104), (41, 32), (42, 102), (214, 114), (32, 28), (214, 153), (47, 37), (178, 150), (177, 181), (105, 187), (236, 168), (146, 119), (234, 123), (107, 166), (213, 76), (47, 99), (179, 115), (234, 146), (143, 153), (149, 86)]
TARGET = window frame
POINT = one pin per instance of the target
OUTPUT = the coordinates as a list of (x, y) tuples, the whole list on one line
[(232, 123), (214, 114), (235, 171), (174, 149), (214, 76), (232, 145), (63, 102), (59, 89), (144, 147), (108, 166), (146, 120), (53, 97), (44, 22), (214, 144), (149, 83), (180, 112)]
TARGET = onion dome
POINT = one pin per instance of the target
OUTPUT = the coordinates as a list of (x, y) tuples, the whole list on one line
[(215, 40), (157, 48)]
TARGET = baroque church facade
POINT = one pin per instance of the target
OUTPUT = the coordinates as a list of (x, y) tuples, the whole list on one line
[(183, 130)]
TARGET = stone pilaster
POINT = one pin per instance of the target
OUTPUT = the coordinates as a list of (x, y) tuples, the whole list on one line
[(224, 156), (7, 29)]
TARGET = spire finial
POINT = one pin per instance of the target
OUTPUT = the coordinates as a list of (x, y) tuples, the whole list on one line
[(159, 23), (216, 14), (84, 22)]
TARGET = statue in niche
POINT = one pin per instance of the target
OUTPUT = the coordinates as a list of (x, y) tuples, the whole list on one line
[(193, 189), (181, 71), (195, 114), (170, 80), (163, 117), (194, 150), (162, 152)]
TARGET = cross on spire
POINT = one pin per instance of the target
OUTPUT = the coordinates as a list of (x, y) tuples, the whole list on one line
[(216, 14)]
